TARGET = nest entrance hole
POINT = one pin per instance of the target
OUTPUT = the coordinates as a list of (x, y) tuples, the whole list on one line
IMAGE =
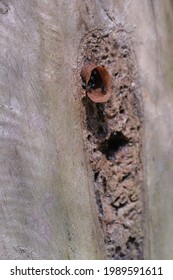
[(116, 141)]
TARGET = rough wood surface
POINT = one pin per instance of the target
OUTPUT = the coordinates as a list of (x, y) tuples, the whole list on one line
[(113, 139), (46, 192)]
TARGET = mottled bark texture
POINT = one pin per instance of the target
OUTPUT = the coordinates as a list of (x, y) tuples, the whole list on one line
[(80, 180)]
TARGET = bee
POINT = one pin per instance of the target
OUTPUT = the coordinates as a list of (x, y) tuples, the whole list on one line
[(96, 82), (104, 88), (91, 84), (84, 85)]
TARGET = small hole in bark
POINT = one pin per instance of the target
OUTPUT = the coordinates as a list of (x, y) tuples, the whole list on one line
[(94, 35), (116, 74), (131, 243), (121, 111), (125, 177), (104, 56), (96, 174), (123, 87), (116, 141), (104, 182)]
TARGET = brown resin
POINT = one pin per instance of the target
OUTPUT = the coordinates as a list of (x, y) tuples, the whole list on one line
[(100, 90)]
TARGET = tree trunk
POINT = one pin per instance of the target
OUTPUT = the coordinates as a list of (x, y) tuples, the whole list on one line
[(56, 203)]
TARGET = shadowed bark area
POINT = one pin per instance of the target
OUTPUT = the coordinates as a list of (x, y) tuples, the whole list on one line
[(47, 202)]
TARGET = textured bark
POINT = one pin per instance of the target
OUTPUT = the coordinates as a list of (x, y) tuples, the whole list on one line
[(47, 200)]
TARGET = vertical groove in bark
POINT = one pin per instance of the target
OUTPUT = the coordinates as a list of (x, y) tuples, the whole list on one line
[(113, 140)]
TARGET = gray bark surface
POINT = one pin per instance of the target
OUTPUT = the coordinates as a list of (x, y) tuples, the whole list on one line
[(46, 195)]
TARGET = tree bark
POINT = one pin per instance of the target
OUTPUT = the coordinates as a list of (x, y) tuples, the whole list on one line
[(47, 200)]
